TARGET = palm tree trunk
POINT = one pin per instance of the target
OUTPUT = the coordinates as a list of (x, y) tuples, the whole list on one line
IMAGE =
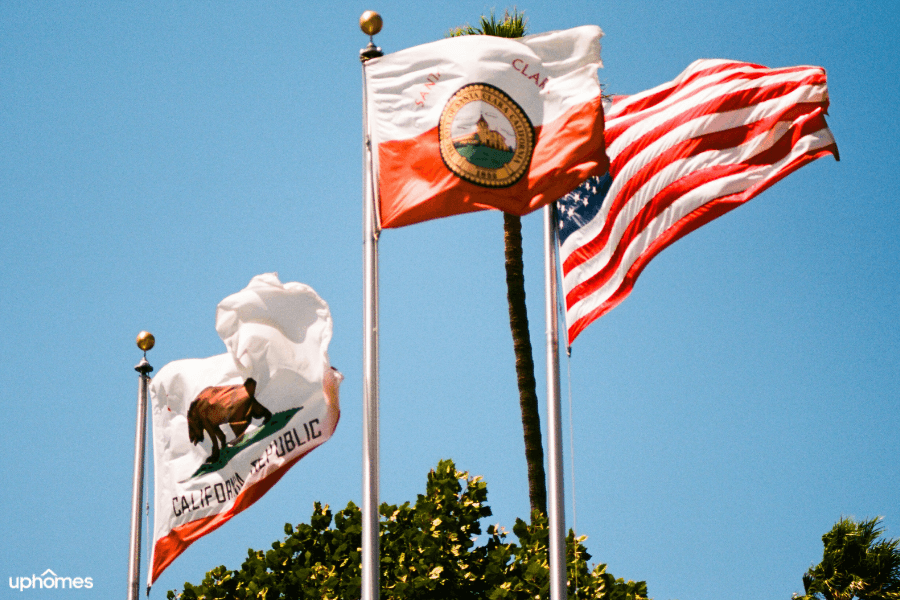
[(512, 25), (518, 323)]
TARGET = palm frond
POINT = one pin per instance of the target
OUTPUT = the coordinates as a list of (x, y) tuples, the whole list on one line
[(512, 25)]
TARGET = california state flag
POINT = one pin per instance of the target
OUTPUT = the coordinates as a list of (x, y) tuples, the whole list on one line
[(226, 428), (477, 122)]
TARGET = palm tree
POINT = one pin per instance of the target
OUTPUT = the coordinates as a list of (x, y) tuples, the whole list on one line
[(513, 25), (855, 564)]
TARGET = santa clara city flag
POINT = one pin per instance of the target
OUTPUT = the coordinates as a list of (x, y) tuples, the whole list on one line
[(227, 427), (477, 122)]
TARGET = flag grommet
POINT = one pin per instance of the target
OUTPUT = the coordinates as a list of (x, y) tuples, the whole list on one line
[(485, 137)]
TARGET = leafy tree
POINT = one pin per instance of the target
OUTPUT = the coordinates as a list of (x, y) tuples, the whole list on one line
[(513, 25), (855, 564), (428, 551)]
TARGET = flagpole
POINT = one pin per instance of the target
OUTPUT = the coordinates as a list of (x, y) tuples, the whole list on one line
[(370, 23), (555, 504), (145, 342)]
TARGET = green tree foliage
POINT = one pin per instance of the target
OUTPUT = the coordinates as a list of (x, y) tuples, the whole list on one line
[(855, 564), (429, 551)]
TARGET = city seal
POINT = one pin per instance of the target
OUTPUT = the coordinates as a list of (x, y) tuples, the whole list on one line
[(485, 137)]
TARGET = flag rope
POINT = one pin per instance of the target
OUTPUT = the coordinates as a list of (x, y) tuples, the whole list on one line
[(560, 314), (560, 307), (147, 534), (571, 444), (149, 540), (572, 456), (561, 310)]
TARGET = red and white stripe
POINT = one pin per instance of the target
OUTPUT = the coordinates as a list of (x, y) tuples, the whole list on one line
[(682, 154)]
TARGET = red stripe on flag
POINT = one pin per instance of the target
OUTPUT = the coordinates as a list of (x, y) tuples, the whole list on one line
[(672, 193), (737, 100), (641, 103), (720, 140), (699, 217), (689, 118)]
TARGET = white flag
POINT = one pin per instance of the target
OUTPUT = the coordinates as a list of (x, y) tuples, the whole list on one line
[(227, 427)]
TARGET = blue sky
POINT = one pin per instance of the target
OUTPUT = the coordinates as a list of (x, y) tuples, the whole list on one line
[(156, 157)]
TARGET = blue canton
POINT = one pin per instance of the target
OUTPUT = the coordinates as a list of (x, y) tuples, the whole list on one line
[(582, 204)]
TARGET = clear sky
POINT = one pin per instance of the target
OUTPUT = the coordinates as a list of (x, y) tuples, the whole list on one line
[(154, 157)]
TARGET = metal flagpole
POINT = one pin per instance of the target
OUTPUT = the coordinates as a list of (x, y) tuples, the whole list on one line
[(145, 342), (556, 502), (370, 23)]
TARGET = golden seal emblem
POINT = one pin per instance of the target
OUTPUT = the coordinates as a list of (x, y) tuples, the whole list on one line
[(485, 137)]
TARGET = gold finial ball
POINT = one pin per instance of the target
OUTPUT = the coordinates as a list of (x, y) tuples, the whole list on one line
[(370, 22), (145, 340)]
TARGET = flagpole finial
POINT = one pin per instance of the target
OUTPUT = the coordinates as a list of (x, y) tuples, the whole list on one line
[(145, 340), (370, 23)]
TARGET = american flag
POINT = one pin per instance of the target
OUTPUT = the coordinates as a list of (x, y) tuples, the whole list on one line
[(682, 154)]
